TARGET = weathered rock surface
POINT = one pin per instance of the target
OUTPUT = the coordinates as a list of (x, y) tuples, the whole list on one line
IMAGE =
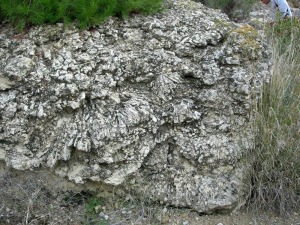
[(237, 10), (159, 105)]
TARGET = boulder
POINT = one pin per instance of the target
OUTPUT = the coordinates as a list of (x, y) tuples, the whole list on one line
[(157, 105)]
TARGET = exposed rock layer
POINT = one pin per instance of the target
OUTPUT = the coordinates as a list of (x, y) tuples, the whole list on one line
[(159, 105)]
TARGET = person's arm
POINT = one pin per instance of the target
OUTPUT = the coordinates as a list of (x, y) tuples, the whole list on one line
[(284, 8)]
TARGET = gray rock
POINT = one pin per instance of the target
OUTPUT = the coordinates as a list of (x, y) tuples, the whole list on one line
[(159, 105)]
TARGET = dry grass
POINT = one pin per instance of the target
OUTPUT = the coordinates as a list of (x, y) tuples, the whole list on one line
[(39, 198), (275, 161), (34, 198), (42, 198)]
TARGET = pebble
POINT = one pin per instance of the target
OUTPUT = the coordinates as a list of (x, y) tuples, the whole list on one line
[(103, 215), (165, 210), (106, 217)]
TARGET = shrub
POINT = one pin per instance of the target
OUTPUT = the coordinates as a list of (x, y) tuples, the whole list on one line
[(85, 13), (276, 159)]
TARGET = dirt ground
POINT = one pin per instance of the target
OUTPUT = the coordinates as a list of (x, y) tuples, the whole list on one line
[(76, 209), (240, 218), (36, 199)]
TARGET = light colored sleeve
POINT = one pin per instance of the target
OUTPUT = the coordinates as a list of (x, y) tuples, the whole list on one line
[(284, 8)]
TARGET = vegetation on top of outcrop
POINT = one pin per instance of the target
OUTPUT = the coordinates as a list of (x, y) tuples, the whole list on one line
[(276, 159), (86, 13)]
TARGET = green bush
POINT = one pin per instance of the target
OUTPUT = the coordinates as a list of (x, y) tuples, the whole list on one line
[(85, 13), (275, 173)]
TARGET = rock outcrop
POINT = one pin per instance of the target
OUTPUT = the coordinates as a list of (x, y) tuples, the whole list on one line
[(158, 105)]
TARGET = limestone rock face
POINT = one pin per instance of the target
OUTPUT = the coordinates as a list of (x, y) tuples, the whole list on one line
[(159, 105)]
